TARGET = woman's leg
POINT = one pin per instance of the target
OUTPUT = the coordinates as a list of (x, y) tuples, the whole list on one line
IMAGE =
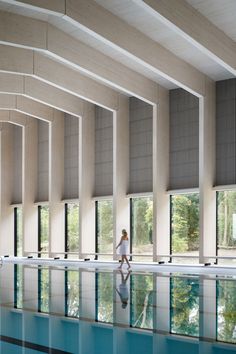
[(127, 261), (122, 261)]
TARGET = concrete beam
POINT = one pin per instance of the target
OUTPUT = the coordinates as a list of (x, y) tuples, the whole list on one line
[(26, 106), (74, 53), (40, 91), (114, 32), (191, 25), (55, 74)]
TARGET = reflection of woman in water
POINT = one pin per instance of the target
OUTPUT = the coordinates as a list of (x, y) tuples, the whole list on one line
[(124, 244), (123, 290)]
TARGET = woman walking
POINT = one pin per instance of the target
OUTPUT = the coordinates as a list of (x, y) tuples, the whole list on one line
[(124, 244)]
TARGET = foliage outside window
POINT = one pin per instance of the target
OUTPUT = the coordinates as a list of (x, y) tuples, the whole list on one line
[(18, 231), (142, 295), (104, 226), (185, 306), (141, 227), (18, 286), (226, 225), (185, 226), (104, 297), (226, 311), (43, 291), (44, 230), (72, 293), (72, 232)]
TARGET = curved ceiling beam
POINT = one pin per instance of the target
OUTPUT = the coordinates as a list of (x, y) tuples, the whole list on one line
[(21, 31)]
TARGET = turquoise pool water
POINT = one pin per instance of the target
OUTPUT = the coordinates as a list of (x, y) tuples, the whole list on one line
[(85, 311)]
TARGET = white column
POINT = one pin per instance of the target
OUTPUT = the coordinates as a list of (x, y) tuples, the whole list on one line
[(161, 204), (121, 218), (86, 181), (29, 188), (56, 183), (6, 219), (207, 173)]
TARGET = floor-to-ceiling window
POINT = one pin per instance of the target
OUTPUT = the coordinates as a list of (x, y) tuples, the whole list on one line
[(18, 232), (185, 228), (71, 230), (72, 293), (104, 229), (141, 228), (226, 226), (43, 230)]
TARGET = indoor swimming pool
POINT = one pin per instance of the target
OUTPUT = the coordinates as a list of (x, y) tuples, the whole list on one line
[(48, 309)]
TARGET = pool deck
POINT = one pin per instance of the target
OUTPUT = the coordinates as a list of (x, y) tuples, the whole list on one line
[(135, 266)]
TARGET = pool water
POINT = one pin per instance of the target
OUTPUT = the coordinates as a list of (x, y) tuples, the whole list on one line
[(86, 311)]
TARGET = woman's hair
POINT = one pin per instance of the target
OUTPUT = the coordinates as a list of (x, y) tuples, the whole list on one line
[(124, 232)]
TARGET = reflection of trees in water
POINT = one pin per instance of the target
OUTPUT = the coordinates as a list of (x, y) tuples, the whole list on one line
[(226, 311), (105, 297), (142, 301), (44, 295), (185, 222), (72, 293), (185, 306)]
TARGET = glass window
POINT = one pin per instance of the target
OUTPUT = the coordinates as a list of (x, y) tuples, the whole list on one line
[(185, 227), (43, 290), (72, 229), (226, 225), (184, 309), (226, 311), (142, 301), (18, 231), (72, 293), (43, 234), (141, 228), (104, 297), (18, 286), (104, 228)]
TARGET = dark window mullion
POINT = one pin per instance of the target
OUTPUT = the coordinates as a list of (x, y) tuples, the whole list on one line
[(66, 230), (96, 228)]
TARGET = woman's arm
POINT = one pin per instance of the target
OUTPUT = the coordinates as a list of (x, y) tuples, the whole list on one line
[(119, 243)]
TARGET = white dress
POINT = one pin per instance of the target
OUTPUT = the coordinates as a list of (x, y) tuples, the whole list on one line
[(124, 247)]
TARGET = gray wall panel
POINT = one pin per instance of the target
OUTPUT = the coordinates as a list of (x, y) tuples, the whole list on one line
[(103, 152), (71, 151), (225, 132), (141, 146), (17, 165), (43, 160), (184, 140)]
